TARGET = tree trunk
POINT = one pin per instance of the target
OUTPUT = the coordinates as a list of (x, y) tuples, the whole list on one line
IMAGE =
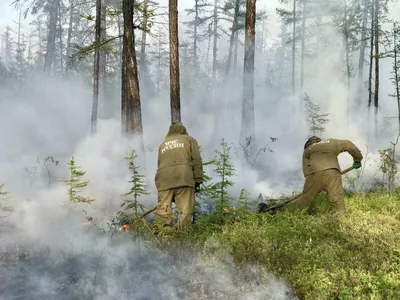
[(120, 39), (371, 56), (174, 61), (196, 64), (19, 49), (132, 112), (294, 50), (232, 38), (208, 50), (262, 37), (60, 31), (377, 54), (303, 37), (69, 35), (348, 66), (248, 123), (236, 54), (7, 47), (396, 72), (143, 64), (215, 41), (96, 68), (30, 46), (103, 57), (361, 58), (51, 38), (159, 65)]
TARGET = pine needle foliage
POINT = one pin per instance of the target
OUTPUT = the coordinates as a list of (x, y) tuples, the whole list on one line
[(75, 183), (224, 171), (139, 188), (216, 188), (244, 202), (315, 119), (4, 197), (388, 166)]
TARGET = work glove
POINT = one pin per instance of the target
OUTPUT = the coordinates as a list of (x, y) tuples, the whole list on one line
[(197, 187), (357, 165)]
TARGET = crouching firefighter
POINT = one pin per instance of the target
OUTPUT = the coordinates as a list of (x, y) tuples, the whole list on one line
[(322, 172), (179, 176)]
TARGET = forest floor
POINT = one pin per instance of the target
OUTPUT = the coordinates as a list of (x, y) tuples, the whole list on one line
[(357, 257), (241, 255)]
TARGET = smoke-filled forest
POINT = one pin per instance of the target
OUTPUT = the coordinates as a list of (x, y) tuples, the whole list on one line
[(88, 90)]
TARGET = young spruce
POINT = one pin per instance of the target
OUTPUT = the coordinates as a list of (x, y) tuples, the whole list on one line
[(4, 197), (139, 188), (75, 183), (224, 170)]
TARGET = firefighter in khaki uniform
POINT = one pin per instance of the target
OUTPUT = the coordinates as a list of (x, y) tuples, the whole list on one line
[(178, 177), (322, 171)]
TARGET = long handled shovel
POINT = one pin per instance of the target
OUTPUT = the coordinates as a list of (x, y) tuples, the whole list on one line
[(149, 211), (291, 199), (126, 227)]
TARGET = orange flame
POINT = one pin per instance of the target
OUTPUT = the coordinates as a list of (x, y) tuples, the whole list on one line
[(125, 227)]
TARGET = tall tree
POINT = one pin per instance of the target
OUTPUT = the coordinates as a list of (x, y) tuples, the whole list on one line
[(174, 61), (371, 54), (363, 46), (20, 48), (160, 57), (143, 62), (69, 34), (53, 8), (294, 50), (99, 65), (396, 68), (131, 113), (7, 49), (236, 15), (303, 40), (248, 123), (377, 57), (195, 25), (148, 13), (234, 29), (290, 17), (103, 56), (215, 47)]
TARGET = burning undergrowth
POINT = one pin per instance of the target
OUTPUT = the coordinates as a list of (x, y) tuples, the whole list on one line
[(91, 265)]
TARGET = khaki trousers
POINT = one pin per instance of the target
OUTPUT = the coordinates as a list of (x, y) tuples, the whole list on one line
[(329, 180), (184, 199)]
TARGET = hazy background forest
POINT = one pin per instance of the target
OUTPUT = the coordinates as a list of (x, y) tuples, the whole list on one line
[(69, 77), (47, 72), (340, 81)]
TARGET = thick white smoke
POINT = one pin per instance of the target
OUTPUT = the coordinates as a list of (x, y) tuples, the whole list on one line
[(51, 117)]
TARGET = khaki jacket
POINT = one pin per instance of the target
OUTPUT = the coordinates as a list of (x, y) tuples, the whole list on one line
[(179, 160), (324, 155)]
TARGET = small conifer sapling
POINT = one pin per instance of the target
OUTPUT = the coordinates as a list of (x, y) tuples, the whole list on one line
[(75, 183)]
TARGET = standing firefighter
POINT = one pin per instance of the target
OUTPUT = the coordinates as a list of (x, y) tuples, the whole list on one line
[(178, 177), (322, 171)]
